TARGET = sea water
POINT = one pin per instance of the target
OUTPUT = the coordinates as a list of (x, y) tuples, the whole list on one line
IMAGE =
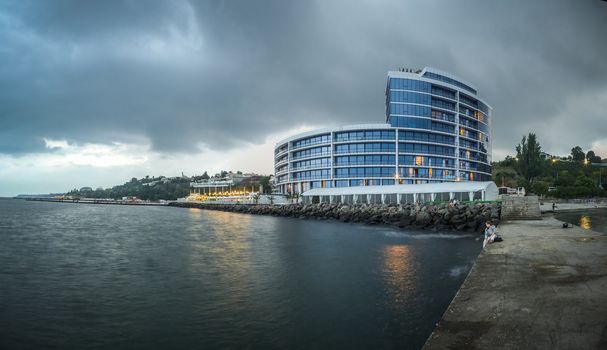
[(77, 276)]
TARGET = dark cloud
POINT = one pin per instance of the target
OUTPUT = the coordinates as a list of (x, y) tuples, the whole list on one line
[(223, 73)]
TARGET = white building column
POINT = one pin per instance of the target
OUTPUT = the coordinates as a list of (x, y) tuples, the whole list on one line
[(355, 198), (451, 195), (343, 199), (383, 198), (368, 199), (483, 195), (399, 197), (470, 196), (331, 199), (433, 196)]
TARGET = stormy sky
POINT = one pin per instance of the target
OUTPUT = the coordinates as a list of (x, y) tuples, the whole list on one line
[(94, 93)]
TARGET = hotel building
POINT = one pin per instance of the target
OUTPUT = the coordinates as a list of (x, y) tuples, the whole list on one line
[(437, 129)]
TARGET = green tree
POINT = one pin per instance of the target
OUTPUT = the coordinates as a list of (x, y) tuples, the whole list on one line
[(577, 154), (540, 188), (205, 176), (592, 157), (529, 161), (504, 175), (509, 161), (583, 181)]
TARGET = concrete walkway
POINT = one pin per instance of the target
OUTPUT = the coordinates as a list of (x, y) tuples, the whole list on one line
[(544, 287)]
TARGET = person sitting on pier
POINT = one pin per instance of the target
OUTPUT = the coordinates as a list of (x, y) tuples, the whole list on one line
[(489, 233)]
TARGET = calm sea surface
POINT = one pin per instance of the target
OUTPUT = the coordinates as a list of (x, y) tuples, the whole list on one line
[(100, 276), (590, 219)]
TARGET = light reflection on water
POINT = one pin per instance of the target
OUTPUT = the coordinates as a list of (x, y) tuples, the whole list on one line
[(398, 273), (585, 222), (588, 219)]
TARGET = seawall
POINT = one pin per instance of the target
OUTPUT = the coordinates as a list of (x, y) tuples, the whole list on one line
[(543, 287), (464, 217)]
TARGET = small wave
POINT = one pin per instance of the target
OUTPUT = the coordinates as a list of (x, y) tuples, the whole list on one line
[(458, 271)]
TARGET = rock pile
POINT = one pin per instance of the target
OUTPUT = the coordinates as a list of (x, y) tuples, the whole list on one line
[(464, 217)]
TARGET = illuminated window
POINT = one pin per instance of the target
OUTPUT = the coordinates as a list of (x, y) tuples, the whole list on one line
[(419, 160), (462, 131), (430, 172)]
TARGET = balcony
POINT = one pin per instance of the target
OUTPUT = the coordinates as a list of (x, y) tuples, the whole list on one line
[(311, 144), (280, 153), (316, 177), (309, 167), (312, 155), (349, 164), (281, 162), (363, 138), (282, 171), (365, 151)]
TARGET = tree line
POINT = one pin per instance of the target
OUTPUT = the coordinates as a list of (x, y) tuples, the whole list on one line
[(157, 188), (571, 176)]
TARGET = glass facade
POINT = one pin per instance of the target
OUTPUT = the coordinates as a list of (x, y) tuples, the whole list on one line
[(436, 130)]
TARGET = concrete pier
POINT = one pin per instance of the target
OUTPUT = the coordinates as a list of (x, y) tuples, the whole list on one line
[(544, 287)]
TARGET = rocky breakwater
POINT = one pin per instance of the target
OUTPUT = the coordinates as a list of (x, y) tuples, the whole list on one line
[(464, 217)]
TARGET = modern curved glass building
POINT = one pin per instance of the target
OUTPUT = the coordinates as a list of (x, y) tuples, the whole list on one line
[(437, 129)]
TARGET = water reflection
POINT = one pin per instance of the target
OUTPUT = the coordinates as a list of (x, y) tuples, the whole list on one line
[(194, 212), (398, 273), (585, 222), (221, 252), (587, 219)]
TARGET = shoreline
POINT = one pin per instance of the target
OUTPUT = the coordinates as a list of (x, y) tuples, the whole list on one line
[(542, 287), (466, 217), (95, 201)]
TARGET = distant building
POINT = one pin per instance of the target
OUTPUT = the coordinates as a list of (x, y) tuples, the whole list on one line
[(212, 184), (240, 178)]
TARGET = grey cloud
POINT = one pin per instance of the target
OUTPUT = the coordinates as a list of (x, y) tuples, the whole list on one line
[(224, 73)]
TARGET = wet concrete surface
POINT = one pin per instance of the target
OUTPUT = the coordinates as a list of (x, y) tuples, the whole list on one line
[(543, 287)]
